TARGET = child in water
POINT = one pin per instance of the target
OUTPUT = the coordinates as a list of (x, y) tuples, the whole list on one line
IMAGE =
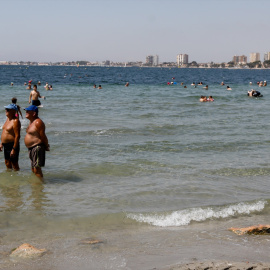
[(14, 101)]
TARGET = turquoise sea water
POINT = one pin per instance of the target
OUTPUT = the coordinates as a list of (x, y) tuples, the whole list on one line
[(139, 166)]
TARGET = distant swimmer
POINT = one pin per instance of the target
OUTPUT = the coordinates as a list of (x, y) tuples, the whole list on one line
[(250, 83), (203, 99), (228, 87), (127, 84), (200, 83), (14, 101), (206, 87), (193, 84), (39, 83), (254, 93), (99, 87), (222, 83), (11, 84), (210, 98), (47, 87), (34, 95), (265, 83), (29, 87)]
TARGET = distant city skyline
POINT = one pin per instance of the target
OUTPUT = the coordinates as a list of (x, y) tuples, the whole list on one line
[(118, 30)]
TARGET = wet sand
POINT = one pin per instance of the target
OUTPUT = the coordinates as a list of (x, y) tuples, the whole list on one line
[(210, 265)]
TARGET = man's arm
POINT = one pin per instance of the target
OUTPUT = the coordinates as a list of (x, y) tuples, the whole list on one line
[(17, 132), (30, 97), (41, 130)]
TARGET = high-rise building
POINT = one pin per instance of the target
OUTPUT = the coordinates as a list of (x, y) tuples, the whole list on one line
[(267, 56), (155, 60), (182, 59), (152, 60), (240, 60), (149, 60), (254, 57)]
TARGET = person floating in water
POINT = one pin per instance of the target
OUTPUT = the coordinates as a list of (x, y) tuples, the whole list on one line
[(34, 95), (99, 87), (127, 84), (229, 88), (206, 87), (14, 101)]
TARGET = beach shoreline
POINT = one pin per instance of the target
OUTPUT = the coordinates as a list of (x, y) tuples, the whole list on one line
[(219, 265)]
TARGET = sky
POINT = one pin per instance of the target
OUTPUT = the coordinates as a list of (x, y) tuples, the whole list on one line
[(129, 30)]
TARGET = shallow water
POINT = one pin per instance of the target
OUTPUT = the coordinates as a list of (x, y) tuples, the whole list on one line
[(148, 160)]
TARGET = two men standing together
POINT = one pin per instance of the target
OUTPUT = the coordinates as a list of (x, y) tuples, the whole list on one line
[(35, 139)]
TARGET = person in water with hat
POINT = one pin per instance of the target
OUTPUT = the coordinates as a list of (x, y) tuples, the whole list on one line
[(10, 138), (36, 140)]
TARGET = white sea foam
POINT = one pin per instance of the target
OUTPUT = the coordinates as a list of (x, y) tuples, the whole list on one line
[(184, 217)]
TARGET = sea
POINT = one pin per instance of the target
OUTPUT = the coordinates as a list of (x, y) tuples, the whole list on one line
[(149, 172)]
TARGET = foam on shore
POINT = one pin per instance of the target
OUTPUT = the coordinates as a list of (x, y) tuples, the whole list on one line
[(185, 217)]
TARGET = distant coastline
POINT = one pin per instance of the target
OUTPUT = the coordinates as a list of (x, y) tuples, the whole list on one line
[(133, 64)]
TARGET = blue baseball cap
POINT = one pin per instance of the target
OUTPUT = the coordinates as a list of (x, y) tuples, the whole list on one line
[(11, 107), (32, 108)]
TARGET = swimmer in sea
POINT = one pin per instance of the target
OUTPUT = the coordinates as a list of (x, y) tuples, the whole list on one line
[(229, 88), (14, 101), (206, 87), (210, 98), (203, 99), (222, 83), (34, 95), (99, 87), (46, 86), (127, 84)]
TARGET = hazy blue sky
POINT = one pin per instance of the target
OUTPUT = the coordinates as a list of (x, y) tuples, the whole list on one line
[(128, 30)]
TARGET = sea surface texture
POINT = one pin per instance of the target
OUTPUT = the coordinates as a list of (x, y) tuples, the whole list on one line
[(147, 169)]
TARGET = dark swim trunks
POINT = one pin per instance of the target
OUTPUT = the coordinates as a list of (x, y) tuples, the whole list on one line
[(36, 102), (37, 155), (7, 150)]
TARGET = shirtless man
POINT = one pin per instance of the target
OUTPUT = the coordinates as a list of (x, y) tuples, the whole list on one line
[(34, 95), (10, 138), (36, 140)]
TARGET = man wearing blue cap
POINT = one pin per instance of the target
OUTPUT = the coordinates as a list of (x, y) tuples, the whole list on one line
[(10, 138), (36, 140)]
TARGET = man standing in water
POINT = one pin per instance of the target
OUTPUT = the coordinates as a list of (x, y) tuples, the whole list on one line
[(10, 138), (34, 95), (36, 140)]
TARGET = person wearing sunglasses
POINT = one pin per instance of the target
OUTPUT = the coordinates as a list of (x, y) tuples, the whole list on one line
[(10, 138)]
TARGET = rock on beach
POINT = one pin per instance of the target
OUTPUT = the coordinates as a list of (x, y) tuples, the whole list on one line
[(258, 229), (27, 251)]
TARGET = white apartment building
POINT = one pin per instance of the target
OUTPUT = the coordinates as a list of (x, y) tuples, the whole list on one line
[(156, 60), (254, 57), (182, 59), (267, 56)]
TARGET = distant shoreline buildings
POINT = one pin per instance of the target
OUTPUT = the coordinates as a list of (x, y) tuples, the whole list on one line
[(182, 61)]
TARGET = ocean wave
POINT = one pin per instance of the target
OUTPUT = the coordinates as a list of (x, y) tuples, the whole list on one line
[(185, 217)]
